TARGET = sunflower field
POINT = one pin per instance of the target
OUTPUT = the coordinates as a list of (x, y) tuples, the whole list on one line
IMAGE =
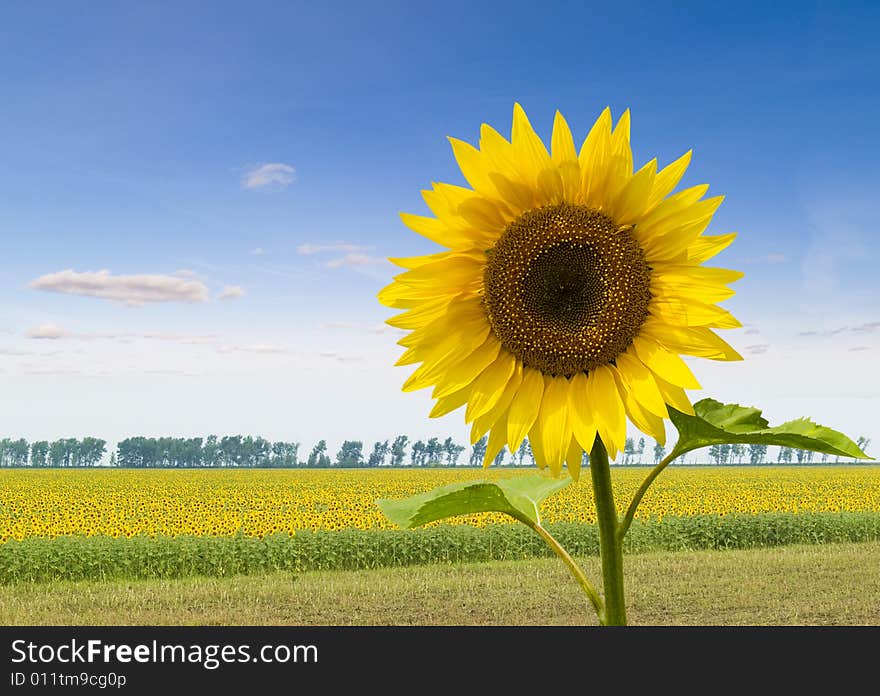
[(101, 523)]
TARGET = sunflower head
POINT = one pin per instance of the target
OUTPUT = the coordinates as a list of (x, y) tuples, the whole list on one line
[(568, 288)]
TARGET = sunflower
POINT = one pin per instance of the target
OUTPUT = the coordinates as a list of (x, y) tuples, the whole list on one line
[(567, 292)]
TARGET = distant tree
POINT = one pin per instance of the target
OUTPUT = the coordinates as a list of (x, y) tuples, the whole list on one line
[(433, 452), (799, 455), (350, 454), (417, 453), (90, 451), (641, 450), (39, 450), (499, 458), (629, 450), (525, 449), (398, 450), (737, 450), (317, 457), (863, 443), (757, 454), (113, 459), (784, 456), (377, 456), (824, 457), (211, 452), (478, 451), (659, 451), (452, 451)]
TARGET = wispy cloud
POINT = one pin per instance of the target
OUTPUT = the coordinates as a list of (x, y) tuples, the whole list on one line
[(350, 260), (341, 357), (342, 247), (55, 332), (50, 332), (271, 174), (257, 251), (855, 349), (865, 328), (129, 290), (230, 292), (757, 349), (261, 348)]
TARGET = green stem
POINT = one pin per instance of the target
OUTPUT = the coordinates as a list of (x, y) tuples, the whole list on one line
[(637, 498), (610, 548), (575, 569)]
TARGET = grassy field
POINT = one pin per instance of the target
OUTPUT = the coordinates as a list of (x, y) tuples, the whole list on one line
[(835, 584)]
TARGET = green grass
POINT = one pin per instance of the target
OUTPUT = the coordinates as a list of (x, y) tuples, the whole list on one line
[(104, 558), (816, 584)]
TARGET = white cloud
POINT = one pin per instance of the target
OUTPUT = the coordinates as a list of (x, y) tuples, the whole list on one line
[(758, 349), (356, 260), (267, 175), (257, 252), (262, 348), (130, 290), (345, 247), (47, 331), (230, 292)]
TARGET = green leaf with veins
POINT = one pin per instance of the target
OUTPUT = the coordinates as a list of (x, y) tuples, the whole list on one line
[(715, 423), (518, 497)]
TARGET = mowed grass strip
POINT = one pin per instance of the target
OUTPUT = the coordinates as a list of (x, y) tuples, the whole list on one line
[(834, 584), (106, 558)]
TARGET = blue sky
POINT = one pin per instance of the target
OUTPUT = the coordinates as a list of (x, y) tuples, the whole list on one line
[(261, 153)]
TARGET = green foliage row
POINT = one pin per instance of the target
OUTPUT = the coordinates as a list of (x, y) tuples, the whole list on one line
[(96, 558)]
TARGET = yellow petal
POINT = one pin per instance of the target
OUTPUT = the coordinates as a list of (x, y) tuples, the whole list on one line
[(643, 420), (524, 408), (672, 205), (398, 296), (447, 404), (438, 231), (582, 421), (632, 200), (675, 397), (592, 157), (496, 441), (451, 270), (554, 429), (607, 408), (690, 312), (620, 163), (573, 459), (445, 364), (530, 152), (561, 142), (704, 248), (473, 167), (690, 221), (667, 179), (466, 369), (664, 363), (418, 316), (535, 442), (488, 419), (695, 340), (489, 386), (640, 383)]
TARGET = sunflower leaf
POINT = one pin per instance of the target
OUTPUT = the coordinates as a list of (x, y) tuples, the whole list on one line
[(715, 423), (518, 497)]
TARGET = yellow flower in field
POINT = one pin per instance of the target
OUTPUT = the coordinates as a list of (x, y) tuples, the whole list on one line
[(568, 289)]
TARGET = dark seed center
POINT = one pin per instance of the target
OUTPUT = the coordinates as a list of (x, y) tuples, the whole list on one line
[(566, 289)]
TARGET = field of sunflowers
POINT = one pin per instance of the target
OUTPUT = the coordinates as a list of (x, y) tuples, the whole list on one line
[(46, 504)]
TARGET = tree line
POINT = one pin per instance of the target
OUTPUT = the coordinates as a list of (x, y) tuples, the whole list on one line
[(237, 451)]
